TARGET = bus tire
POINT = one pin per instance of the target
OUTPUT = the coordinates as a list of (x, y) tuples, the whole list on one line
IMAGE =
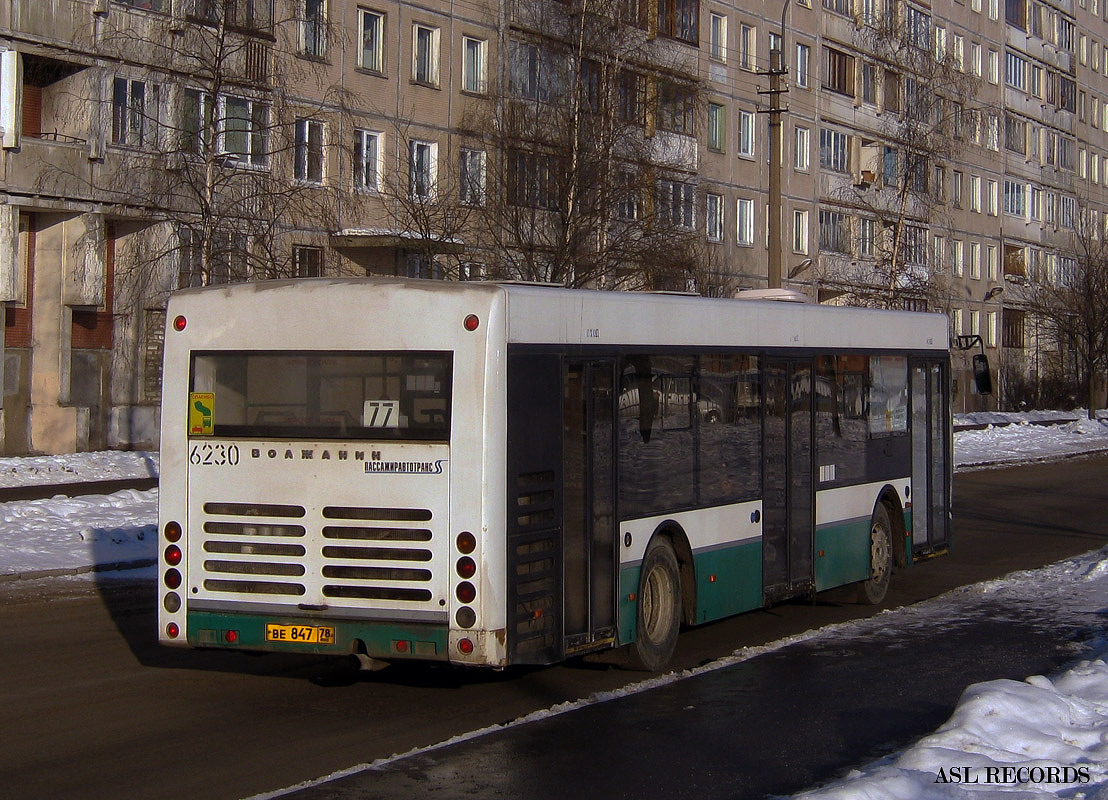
[(872, 590), (659, 608)]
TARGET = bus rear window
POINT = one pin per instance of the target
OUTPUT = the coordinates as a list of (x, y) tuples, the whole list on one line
[(327, 395)]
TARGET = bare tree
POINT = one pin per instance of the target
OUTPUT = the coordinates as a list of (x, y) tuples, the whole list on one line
[(579, 167), (1068, 297), (898, 186), (211, 149)]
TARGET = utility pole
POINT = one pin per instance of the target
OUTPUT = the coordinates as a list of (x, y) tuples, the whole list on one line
[(777, 70)]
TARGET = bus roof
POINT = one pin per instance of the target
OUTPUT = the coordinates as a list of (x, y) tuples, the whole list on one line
[(534, 314)]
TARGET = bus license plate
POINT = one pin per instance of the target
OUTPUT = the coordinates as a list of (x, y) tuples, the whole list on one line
[(299, 634)]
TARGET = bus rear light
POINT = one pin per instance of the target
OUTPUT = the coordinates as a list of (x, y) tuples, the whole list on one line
[(173, 555), (466, 617), (231, 637), (172, 602), (471, 322), (466, 592), (465, 646), (173, 630), (172, 531), (400, 646), (172, 579), (466, 542), (179, 323), (467, 567)]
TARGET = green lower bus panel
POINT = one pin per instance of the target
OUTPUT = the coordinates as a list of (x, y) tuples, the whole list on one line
[(728, 581), (322, 636), (842, 554)]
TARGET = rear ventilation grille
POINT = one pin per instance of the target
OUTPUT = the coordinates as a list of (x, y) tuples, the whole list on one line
[(260, 551)]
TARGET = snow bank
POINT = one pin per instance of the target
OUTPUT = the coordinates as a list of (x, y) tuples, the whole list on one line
[(1037, 738)]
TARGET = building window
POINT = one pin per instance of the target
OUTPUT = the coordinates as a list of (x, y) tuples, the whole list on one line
[(838, 71), (367, 160), (746, 133), (313, 28), (991, 198), (843, 7), (867, 237), (834, 232), (1015, 198), (676, 108), (532, 180), (425, 54), (802, 146), (422, 168), (713, 212), (677, 204), (915, 245), (372, 25), (717, 127), (834, 150), (1015, 71), (243, 130), (975, 261), (474, 65), (869, 83), (800, 231), (1012, 328), (471, 177), (309, 151), (679, 19), (134, 115), (744, 222), (748, 47), (308, 261), (958, 261), (917, 25), (975, 193), (803, 58), (717, 37)]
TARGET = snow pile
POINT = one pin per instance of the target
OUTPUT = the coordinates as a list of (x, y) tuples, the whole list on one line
[(1020, 440), (1037, 738), (74, 533), (77, 467)]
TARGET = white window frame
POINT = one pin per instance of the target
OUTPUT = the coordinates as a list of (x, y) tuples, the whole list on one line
[(802, 148), (803, 65), (373, 22), (744, 221), (135, 114), (717, 33), (425, 54), (747, 143), (714, 216), (251, 134), (475, 67), (471, 176), (307, 131), (313, 30), (427, 153), (368, 147), (800, 231)]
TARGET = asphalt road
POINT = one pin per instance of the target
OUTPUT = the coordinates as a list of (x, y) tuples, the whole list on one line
[(90, 707)]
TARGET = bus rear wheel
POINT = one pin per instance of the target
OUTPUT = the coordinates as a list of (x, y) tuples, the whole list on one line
[(874, 588), (659, 608)]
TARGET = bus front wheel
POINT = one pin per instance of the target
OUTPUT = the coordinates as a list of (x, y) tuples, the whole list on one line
[(659, 609), (873, 589)]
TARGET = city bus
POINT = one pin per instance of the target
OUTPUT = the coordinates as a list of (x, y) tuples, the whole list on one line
[(493, 474)]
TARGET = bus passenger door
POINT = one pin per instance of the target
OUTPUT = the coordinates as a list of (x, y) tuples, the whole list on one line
[(930, 455), (788, 529), (588, 504)]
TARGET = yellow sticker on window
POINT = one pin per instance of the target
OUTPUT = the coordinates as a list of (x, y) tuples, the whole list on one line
[(201, 413)]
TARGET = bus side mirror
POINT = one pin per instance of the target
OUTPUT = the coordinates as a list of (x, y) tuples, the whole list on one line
[(982, 378)]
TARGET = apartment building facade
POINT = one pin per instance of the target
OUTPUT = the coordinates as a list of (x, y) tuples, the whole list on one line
[(149, 145)]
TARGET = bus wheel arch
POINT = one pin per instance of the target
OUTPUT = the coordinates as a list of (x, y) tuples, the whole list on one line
[(891, 501), (661, 600)]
